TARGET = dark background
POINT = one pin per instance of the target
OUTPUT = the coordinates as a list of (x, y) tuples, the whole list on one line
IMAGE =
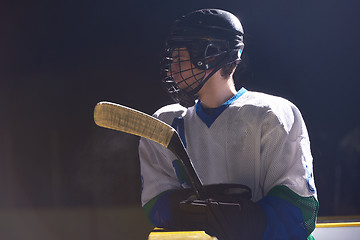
[(59, 58)]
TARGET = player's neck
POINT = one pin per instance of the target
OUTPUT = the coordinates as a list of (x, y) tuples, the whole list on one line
[(216, 92)]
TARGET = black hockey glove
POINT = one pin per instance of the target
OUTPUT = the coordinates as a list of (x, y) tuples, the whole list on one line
[(229, 214)]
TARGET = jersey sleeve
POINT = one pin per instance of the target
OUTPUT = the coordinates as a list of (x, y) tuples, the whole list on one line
[(288, 215), (290, 201), (157, 162), (285, 152), (157, 173)]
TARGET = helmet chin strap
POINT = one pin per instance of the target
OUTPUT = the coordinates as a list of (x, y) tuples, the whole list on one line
[(214, 70), (187, 99)]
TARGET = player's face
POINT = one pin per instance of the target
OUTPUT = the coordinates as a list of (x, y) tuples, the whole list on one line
[(184, 73)]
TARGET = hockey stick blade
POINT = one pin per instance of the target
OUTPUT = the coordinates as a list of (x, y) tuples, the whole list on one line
[(128, 120), (125, 119)]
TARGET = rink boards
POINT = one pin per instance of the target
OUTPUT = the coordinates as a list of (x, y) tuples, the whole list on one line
[(328, 229)]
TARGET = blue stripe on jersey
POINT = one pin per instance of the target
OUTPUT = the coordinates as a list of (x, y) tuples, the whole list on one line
[(181, 174), (209, 115), (160, 214), (178, 124), (283, 220)]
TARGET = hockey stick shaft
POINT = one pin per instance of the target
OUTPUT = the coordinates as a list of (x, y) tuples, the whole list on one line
[(124, 119), (177, 147)]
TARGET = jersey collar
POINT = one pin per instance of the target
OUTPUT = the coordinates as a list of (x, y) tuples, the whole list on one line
[(209, 115)]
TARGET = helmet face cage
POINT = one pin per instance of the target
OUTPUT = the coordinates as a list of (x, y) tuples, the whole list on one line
[(203, 56), (177, 64), (183, 70)]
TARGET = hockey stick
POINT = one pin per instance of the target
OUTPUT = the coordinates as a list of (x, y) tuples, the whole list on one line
[(124, 119)]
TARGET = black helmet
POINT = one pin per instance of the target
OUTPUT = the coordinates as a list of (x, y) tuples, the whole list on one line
[(213, 38)]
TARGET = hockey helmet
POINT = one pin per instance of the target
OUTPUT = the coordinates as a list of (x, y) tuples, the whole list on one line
[(213, 39)]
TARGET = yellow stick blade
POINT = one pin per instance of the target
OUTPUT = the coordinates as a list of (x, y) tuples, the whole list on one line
[(124, 119)]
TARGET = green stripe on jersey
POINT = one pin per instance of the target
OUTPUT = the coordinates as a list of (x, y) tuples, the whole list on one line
[(308, 206), (150, 205)]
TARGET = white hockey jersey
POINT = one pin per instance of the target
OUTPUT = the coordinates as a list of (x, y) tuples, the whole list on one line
[(254, 139)]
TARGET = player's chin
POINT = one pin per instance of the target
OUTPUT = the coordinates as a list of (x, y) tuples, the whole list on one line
[(187, 90), (187, 86), (183, 86)]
